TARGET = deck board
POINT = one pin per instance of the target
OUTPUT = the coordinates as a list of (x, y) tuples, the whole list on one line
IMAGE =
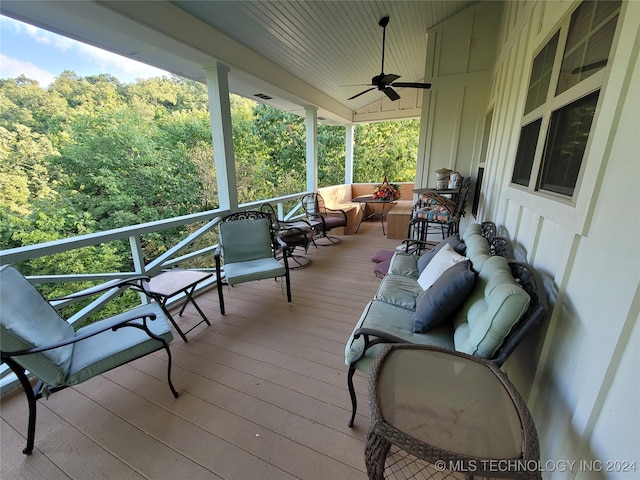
[(262, 390)]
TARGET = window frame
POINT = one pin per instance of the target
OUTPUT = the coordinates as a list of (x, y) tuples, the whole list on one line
[(554, 103), (573, 212)]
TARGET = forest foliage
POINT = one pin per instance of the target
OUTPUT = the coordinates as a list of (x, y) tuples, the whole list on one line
[(89, 154)]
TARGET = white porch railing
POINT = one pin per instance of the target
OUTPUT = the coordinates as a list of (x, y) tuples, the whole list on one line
[(133, 234)]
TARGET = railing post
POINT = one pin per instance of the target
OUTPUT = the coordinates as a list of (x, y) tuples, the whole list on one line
[(348, 160), (311, 128), (138, 261)]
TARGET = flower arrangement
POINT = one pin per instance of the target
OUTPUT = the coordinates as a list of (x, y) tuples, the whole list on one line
[(386, 191)]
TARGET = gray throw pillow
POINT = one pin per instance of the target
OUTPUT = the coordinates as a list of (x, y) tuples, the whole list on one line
[(455, 242), (435, 305)]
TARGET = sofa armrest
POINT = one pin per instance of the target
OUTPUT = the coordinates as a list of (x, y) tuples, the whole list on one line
[(373, 337)]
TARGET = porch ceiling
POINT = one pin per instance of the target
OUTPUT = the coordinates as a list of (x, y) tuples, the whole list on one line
[(298, 52)]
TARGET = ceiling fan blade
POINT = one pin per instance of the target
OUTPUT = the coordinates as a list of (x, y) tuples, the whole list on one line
[(391, 93), (410, 85), (387, 78), (361, 93)]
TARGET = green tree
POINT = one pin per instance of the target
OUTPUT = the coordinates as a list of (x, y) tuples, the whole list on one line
[(386, 148)]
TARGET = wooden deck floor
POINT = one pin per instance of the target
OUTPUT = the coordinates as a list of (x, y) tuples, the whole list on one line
[(262, 390)]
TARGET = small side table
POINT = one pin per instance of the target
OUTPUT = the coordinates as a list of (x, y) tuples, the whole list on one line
[(454, 412), (168, 284), (369, 200)]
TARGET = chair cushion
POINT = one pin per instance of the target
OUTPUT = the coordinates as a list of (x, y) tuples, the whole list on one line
[(245, 240), (297, 228), (435, 305), (437, 213), (27, 320), (332, 221), (110, 349), (444, 259), (297, 238), (258, 269)]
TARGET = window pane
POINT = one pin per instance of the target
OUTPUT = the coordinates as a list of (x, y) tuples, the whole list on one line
[(568, 133), (589, 42), (526, 152), (541, 75)]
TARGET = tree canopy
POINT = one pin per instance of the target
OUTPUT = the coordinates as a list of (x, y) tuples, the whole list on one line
[(88, 154)]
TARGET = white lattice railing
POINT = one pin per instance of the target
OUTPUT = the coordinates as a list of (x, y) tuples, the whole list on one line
[(172, 257)]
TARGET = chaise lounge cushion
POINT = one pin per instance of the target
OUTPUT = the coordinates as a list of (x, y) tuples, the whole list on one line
[(74, 363), (107, 350), (21, 300), (435, 305)]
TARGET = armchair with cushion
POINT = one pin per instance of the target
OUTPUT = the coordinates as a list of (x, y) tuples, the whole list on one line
[(324, 219), (294, 234), (36, 341), (245, 251)]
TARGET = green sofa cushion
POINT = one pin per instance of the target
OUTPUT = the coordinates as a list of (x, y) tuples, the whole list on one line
[(399, 290), (494, 308), (472, 229), (404, 264), (478, 251), (395, 321)]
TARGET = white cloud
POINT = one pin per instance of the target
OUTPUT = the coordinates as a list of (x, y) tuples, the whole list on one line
[(81, 58), (13, 68), (125, 69), (38, 35)]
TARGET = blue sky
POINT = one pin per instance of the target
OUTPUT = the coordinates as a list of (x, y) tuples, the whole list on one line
[(42, 56)]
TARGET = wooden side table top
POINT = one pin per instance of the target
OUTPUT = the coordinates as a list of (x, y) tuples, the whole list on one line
[(170, 283)]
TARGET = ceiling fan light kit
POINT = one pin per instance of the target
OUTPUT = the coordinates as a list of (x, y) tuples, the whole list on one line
[(385, 81)]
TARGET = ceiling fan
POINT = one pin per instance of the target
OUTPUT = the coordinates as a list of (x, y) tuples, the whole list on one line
[(385, 81)]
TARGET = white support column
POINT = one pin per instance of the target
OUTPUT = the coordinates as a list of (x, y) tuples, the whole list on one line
[(221, 132), (311, 127), (348, 159)]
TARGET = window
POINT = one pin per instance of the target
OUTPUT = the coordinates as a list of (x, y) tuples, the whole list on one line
[(564, 87), (541, 75), (568, 133), (526, 151)]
